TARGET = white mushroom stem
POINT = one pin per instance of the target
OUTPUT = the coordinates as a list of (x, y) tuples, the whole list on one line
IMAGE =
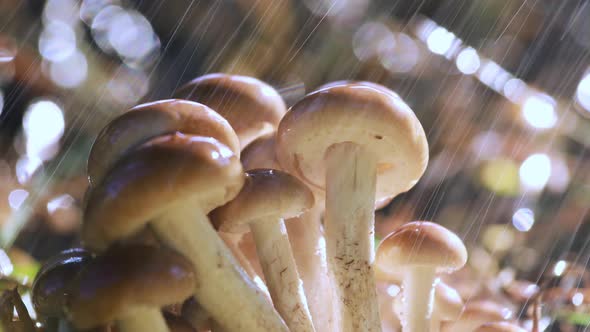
[(232, 241), (280, 272), (222, 288), (418, 298), (143, 319), (349, 220), (309, 250)]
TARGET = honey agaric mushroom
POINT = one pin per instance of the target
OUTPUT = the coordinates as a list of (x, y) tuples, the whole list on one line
[(150, 120), (252, 107), (447, 306), (306, 240), (421, 250), (267, 198), (129, 284), (51, 286), (171, 183), (361, 145), (475, 314), (499, 327)]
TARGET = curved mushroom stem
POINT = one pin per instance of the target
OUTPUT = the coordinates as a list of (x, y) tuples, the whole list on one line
[(280, 271), (143, 319), (418, 298), (309, 250), (222, 288), (350, 199), (232, 241)]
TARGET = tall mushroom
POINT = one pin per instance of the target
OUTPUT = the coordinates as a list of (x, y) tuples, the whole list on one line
[(361, 145), (252, 107), (171, 183), (129, 284), (52, 283), (267, 198), (421, 250)]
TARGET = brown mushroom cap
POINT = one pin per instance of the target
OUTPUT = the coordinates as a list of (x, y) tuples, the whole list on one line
[(266, 194), (152, 178), (447, 302), (52, 283), (423, 243), (379, 121), (252, 107), (500, 327), (260, 153), (150, 120), (125, 277)]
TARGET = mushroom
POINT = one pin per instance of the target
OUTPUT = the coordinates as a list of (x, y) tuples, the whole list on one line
[(129, 284), (252, 107), (150, 120), (447, 306), (171, 183), (361, 145), (421, 250), (499, 327), (267, 198), (476, 314), (306, 239), (51, 286)]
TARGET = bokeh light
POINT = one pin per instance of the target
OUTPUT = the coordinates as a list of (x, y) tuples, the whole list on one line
[(440, 41), (43, 125), (583, 92), (535, 172), (57, 41), (523, 219), (17, 197), (468, 61), (539, 111), (69, 72)]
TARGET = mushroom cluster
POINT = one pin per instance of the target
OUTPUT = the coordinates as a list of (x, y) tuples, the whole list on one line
[(220, 210)]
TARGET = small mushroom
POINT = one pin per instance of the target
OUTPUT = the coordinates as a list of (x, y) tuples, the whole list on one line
[(171, 183), (447, 306), (306, 237), (129, 284), (252, 107), (267, 198), (361, 145), (499, 327), (51, 287), (475, 314), (421, 250)]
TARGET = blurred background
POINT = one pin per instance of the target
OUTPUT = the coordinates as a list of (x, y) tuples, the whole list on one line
[(502, 88)]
